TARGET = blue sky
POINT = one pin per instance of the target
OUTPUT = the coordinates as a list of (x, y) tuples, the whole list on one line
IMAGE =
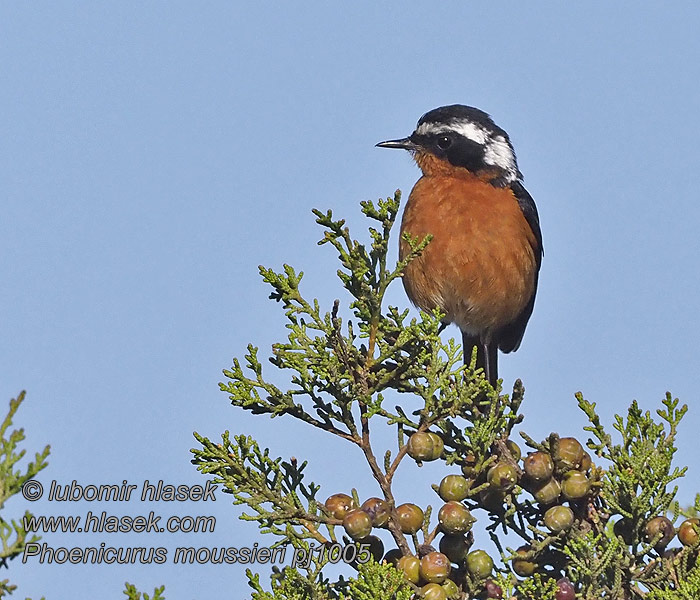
[(153, 155)]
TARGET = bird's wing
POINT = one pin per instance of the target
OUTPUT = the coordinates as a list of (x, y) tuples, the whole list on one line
[(510, 336), (527, 205)]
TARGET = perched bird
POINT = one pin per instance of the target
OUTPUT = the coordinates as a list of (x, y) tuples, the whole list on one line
[(482, 265)]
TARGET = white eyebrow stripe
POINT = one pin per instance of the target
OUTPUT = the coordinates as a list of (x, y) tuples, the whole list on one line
[(432, 128), (471, 131), (467, 129)]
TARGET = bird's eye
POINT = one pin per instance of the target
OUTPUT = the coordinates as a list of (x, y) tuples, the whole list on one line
[(444, 142)]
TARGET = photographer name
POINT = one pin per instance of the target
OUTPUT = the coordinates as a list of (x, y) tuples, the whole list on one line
[(149, 492)]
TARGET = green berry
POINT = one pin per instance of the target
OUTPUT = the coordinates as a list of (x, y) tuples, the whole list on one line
[(454, 518), (451, 589), (410, 518), (433, 591), (569, 453), (575, 485), (523, 566), (435, 567), (514, 450), (410, 565), (454, 487), (455, 547), (559, 518), (339, 505), (688, 532), (538, 466), (502, 476), (479, 564), (659, 526), (357, 524), (548, 492), (425, 446)]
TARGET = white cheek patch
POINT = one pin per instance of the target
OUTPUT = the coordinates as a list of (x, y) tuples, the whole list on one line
[(499, 154)]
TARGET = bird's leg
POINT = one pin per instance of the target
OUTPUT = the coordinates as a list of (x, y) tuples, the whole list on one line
[(490, 351), (486, 356), (468, 343)]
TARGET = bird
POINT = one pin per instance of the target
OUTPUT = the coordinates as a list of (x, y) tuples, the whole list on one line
[(481, 267)]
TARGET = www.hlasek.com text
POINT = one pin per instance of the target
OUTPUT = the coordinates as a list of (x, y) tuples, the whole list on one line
[(105, 523)]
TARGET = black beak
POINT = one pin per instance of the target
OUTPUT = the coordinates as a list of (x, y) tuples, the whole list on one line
[(404, 144)]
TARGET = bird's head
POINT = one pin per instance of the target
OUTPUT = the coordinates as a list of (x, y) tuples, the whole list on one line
[(457, 137)]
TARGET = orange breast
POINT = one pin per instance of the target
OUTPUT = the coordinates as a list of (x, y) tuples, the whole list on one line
[(480, 268)]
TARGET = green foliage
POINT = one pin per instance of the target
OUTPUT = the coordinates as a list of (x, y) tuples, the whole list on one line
[(373, 581), (685, 580), (12, 534), (635, 485), (273, 489), (383, 581), (289, 585), (537, 587), (132, 593), (348, 365)]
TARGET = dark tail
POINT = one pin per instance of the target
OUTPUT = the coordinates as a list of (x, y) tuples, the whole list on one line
[(486, 356)]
